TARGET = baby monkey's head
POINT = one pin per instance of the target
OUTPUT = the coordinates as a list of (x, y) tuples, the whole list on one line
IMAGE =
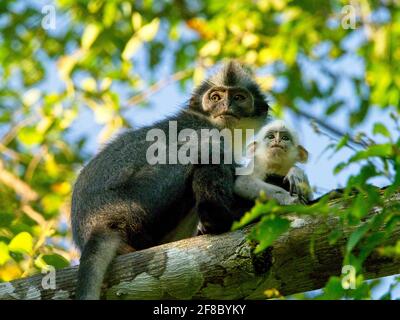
[(277, 148)]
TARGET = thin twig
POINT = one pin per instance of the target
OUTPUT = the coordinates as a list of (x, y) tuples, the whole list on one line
[(33, 214), (12, 133), (331, 128), (20, 187), (141, 97), (34, 163), (10, 153)]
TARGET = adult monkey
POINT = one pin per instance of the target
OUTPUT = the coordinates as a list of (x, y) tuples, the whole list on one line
[(121, 203)]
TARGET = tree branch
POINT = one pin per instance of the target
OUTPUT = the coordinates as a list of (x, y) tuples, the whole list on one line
[(219, 267)]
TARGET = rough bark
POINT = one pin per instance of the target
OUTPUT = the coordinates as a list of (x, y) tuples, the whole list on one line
[(217, 267)]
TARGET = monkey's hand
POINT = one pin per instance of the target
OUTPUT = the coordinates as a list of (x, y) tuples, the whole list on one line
[(287, 199), (250, 188), (299, 184)]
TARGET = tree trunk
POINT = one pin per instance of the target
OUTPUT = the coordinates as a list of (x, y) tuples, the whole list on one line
[(217, 267)]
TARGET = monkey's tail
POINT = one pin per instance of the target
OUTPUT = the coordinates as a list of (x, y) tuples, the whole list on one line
[(96, 257)]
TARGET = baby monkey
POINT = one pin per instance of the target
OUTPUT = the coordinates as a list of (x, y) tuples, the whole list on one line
[(273, 155)]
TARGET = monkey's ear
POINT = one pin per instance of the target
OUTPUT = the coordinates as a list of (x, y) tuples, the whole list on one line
[(251, 148), (120, 179), (302, 154)]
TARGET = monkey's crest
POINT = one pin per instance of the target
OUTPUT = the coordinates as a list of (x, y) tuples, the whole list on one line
[(233, 74)]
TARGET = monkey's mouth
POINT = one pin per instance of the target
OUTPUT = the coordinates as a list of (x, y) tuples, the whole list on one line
[(227, 115), (277, 147)]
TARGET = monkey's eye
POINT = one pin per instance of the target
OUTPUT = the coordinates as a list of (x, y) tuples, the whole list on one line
[(215, 97), (239, 97), (286, 138), (270, 136)]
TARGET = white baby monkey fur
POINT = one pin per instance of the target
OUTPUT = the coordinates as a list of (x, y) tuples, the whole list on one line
[(265, 162)]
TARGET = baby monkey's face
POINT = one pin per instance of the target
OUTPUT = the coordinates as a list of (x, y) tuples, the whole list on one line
[(280, 144), (276, 148)]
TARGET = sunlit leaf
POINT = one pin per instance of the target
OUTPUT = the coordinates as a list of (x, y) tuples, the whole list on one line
[(51, 203), (10, 272), (211, 48), (31, 96), (62, 188), (109, 13), (30, 136), (131, 47), (136, 20), (89, 35), (149, 31), (4, 253), (22, 243), (89, 84), (103, 114)]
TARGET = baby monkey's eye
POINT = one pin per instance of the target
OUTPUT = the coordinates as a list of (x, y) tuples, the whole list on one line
[(215, 97), (286, 138), (239, 97), (270, 136)]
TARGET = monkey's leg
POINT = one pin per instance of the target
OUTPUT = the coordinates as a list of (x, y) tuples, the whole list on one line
[(96, 256), (213, 190)]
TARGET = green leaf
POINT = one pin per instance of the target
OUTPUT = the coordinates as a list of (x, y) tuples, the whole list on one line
[(339, 167), (333, 289), (21, 243), (334, 236), (258, 210), (356, 236), (359, 207), (268, 230), (55, 260), (109, 13), (342, 142), (333, 108), (376, 150), (380, 128)]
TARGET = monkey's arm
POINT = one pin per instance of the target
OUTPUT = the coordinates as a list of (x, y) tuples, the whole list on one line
[(250, 187), (299, 184), (213, 190)]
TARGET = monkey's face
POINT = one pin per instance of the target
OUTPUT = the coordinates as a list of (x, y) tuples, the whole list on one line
[(277, 151), (227, 106), (279, 145), (231, 99)]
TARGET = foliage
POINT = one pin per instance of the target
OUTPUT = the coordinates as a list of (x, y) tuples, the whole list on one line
[(94, 60)]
